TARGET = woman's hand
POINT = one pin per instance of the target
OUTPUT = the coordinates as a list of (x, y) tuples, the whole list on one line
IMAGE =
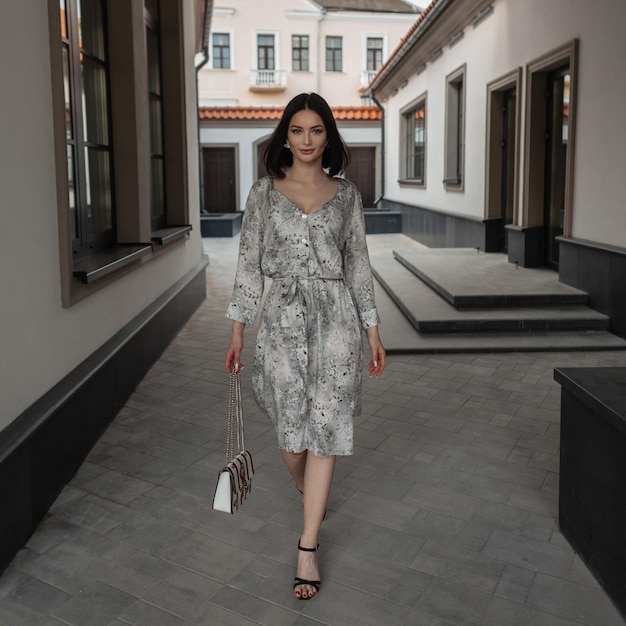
[(377, 364), (233, 353)]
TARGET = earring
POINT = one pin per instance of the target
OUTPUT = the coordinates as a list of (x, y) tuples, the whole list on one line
[(286, 144)]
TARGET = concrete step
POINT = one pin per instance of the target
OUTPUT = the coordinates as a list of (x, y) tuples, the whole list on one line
[(428, 312), (400, 337), (407, 304), (470, 279)]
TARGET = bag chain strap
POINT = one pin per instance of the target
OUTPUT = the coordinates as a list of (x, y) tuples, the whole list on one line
[(234, 429)]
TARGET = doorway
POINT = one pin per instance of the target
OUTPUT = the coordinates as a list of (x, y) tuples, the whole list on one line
[(502, 173), (549, 156), (557, 135), (219, 178), (362, 172)]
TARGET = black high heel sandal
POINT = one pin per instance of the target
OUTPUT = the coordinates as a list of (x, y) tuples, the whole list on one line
[(302, 493), (303, 581)]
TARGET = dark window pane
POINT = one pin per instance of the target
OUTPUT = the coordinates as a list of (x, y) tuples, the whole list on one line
[(67, 94), (156, 126), (415, 121), (158, 191), (63, 18), (152, 6), (98, 186), (71, 185), (91, 27), (95, 112), (154, 64)]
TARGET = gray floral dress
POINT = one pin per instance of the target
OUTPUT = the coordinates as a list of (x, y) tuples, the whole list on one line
[(308, 357)]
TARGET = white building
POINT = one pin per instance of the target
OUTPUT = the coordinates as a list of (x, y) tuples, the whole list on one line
[(505, 131), (260, 57), (101, 257)]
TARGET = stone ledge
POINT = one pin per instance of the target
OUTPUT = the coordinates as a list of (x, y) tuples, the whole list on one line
[(220, 224)]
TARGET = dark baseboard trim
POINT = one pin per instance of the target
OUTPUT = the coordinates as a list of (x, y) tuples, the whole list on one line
[(43, 447), (600, 271), (438, 229)]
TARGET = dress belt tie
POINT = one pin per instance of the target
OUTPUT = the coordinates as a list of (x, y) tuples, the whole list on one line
[(295, 303)]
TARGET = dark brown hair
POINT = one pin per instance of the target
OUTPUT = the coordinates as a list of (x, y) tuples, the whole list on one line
[(277, 158)]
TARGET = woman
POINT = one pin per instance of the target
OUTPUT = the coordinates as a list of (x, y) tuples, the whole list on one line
[(304, 229)]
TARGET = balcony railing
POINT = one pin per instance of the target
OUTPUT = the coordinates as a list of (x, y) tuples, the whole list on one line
[(268, 80), (366, 77)]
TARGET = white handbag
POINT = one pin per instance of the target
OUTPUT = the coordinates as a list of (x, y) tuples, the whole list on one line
[(235, 478)]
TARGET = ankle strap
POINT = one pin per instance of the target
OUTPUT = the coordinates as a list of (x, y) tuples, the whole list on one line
[(307, 549)]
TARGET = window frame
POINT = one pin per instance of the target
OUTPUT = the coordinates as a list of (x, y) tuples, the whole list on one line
[(229, 47), (336, 54), (136, 241), (273, 47), (383, 46), (158, 196), (300, 48), (78, 140), (406, 115), (454, 149)]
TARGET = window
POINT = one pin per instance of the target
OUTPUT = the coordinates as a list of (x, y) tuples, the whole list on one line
[(300, 53), (333, 54), (455, 127), (121, 173), (87, 121), (414, 143), (221, 51), (155, 98), (265, 52), (374, 53)]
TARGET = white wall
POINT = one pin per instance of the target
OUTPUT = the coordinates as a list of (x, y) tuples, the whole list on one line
[(244, 139), (517, 32), (284, 18), (41, 342)]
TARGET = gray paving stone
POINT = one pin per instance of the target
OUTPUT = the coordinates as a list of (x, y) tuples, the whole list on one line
[(143, 613), (455, 472), (96, 603)]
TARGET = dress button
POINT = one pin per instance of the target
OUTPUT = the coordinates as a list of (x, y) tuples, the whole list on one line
[(304, 216), (303, 240)]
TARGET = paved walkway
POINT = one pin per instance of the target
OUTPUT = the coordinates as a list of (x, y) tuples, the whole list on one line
[(445, 515)]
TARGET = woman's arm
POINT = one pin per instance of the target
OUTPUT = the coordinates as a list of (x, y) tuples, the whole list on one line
[(377, 363), (233, 354)]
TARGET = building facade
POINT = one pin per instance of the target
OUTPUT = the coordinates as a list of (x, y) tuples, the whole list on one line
[(261, 58), (503, 135), (101, 253)]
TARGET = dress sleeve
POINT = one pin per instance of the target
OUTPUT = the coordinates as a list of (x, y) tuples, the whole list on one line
[(357, 269), (248, 287)]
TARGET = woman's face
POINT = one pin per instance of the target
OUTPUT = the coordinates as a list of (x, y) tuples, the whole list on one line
[(307, 136)]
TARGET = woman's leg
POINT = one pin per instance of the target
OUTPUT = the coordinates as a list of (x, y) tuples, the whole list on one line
[(318, 478), (295, 463)]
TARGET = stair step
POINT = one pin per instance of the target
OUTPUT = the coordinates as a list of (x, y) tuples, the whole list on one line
[(429, 313), (400, 337), (416, 319), (467, 279)]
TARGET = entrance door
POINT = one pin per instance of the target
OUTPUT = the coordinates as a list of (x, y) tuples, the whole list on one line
[(362, 172), (557, 128), (219, 180)]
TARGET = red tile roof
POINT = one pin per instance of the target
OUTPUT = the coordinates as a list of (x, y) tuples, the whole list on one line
[(341, 113)]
